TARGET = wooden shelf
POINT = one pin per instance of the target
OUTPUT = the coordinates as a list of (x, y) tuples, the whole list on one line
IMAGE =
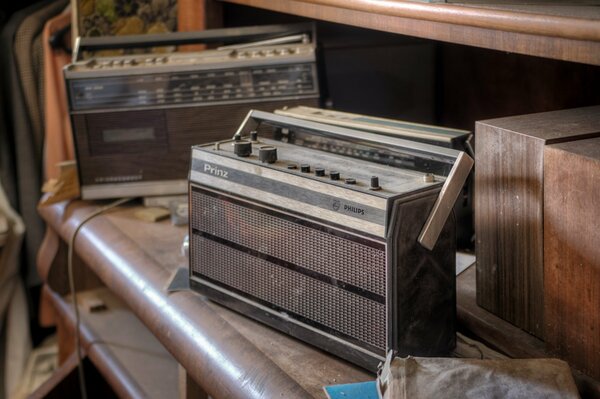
[(569, 33)]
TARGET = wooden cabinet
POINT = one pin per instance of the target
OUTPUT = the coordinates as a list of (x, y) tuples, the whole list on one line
[(572, 253), (509, 208)]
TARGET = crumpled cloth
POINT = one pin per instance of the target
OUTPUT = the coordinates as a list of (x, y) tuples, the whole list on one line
[(425, 378)]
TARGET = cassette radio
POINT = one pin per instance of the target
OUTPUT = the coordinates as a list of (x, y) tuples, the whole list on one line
[(341, 238), (135, 117)]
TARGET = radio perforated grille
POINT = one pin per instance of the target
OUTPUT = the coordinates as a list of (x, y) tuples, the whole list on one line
[(342, 259), (325, 304)]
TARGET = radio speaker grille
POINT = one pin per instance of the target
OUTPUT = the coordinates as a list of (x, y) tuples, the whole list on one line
[(234, 245), (345, 260)]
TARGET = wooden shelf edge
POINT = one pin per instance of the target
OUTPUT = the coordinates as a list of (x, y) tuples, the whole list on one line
[(496, 19), (557, 37)]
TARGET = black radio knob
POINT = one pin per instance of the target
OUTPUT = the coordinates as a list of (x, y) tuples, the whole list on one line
[(254, 136), (242, 148), (305, 168), (375, 183), (267, 153), (334, 175), (320, 172)]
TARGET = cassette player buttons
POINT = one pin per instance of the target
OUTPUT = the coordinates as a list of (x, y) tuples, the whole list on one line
[(305, 168), (334, 175), (320, 172), (350, 180)]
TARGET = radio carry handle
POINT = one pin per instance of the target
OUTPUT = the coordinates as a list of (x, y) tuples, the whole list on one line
[(461, 163), (222, 35)]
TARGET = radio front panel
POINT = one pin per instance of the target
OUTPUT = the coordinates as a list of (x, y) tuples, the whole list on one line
[(149, 147), (321, 277)]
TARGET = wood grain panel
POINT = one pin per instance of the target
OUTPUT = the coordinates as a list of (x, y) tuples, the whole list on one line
[(558, 37), (509, 200), (572, 253)]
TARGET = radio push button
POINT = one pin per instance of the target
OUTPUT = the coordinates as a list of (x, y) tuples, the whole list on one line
[(292, 166), (242, 148), (350, 180), (320, 172), (334, 175), (305, 168)]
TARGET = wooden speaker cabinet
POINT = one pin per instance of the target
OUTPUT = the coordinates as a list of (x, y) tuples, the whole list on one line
[(572, 253), (509, 208)]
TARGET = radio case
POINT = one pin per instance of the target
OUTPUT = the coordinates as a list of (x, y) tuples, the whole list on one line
[(135, 117), (346, 241)]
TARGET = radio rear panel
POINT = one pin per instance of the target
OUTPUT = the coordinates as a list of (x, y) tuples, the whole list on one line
[(319, 238), (135, 117)]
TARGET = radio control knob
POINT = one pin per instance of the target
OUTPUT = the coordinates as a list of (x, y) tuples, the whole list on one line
[(242, 148), (267, 154), (320, 172), (350, 180), (305, 168), (334, 175), (254, 136), (375, 183), (237, 137)]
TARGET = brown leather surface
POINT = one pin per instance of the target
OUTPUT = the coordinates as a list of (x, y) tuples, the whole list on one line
[(227, 354)]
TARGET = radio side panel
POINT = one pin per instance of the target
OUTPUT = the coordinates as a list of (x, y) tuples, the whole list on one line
[(422, 283)]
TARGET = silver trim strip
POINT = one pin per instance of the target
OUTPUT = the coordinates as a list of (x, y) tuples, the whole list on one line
[(135, 189), (288, 203)]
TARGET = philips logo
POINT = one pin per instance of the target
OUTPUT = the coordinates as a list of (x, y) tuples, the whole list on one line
[(354, 209), (213, 170)]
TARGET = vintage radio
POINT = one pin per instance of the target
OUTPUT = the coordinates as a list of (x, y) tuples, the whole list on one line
[(135, 117), (338, 237)]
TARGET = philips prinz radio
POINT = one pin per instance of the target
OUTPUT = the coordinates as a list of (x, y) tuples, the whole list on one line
[(338, 237), (135, 117)]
